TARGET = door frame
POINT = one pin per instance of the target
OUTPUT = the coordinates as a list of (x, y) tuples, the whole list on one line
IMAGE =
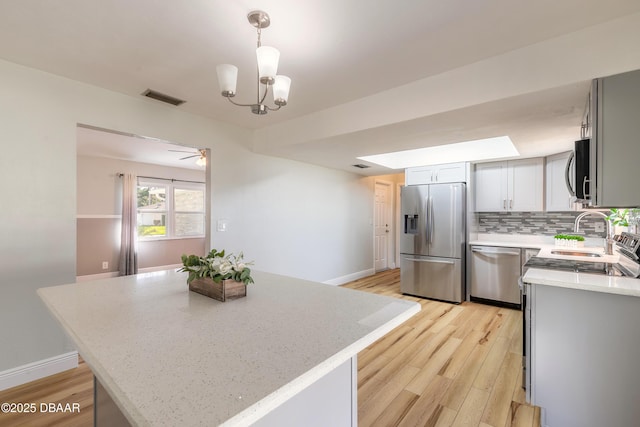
[(391, 241)]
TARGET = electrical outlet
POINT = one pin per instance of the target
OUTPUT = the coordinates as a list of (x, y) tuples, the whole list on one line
[(105, 265), (599, 227)]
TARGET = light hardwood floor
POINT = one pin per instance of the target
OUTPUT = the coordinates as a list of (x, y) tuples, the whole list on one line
[(73, 386), (450, 365)]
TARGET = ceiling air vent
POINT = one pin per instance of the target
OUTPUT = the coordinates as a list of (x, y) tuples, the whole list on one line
[(162, 97), (361, 166)]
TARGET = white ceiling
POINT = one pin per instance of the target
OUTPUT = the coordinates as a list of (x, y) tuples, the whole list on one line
[(335, 51), (95, 142)]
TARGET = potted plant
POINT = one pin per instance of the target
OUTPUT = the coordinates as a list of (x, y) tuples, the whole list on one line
[(570, 240), (217, 275)]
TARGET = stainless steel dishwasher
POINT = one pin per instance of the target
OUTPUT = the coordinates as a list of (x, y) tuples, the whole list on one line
[(494, 275)]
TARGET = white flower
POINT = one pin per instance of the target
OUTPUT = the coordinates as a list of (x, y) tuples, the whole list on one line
[(225, 267)]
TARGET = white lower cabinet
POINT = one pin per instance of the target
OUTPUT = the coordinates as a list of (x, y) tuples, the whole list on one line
[(515, 185), (584, 354)]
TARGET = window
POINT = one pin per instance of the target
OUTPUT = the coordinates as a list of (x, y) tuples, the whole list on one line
[(170, 210)]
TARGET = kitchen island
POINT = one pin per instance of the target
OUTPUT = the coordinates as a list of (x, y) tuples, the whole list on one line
[(583, 344), (162, 355)]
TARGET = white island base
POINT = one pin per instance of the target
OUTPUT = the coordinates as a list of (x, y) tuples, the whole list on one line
[(330, 401), (283, 355)]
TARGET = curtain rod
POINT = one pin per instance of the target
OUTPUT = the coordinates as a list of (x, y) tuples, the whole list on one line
[(120, 175)]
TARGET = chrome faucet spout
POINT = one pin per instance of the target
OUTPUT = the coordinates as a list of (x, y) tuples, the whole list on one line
[(608, 241)]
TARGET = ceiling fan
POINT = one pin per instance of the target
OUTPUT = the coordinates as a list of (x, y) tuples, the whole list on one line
[(201, 154)]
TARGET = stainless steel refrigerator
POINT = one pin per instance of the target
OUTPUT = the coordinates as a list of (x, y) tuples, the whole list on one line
[(432, 242)]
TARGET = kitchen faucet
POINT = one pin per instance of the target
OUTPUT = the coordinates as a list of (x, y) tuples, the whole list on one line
[(608, 241)]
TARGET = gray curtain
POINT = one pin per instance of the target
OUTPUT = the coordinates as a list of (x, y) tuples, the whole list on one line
[(128, 237)]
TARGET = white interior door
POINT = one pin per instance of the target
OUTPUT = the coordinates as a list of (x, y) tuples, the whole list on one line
[(382, 224)]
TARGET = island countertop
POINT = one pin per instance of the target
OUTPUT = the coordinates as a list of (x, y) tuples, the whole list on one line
[(168, 356)]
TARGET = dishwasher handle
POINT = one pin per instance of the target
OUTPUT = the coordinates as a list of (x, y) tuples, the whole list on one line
[(495, 250)]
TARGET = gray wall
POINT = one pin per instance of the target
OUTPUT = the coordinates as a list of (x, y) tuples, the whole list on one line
[(289, 217)]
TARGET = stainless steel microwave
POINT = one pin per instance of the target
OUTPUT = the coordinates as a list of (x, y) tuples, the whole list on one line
[(577, 172)]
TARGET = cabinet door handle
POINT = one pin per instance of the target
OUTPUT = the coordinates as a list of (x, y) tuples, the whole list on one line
[(504, 204), (436, 176), (584, 188), (510, 203), (567, 172)]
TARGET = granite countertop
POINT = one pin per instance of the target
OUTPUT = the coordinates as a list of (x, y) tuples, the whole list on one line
[(582, 281), (530, 241), (168, 356)]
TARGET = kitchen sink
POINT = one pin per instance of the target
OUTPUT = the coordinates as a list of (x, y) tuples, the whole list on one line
[(575, 253)]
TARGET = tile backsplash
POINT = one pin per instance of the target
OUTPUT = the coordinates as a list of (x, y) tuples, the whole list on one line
[(541, 223)]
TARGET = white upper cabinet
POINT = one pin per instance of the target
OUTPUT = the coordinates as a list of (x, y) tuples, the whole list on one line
[(557, 195), (436, 174), (510, 186)]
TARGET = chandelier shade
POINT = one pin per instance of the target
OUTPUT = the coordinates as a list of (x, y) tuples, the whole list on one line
[(281, 90), (267, 58), (227, 79)]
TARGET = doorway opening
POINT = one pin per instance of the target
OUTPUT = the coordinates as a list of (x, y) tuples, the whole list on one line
[(174, 200), (383, 225)]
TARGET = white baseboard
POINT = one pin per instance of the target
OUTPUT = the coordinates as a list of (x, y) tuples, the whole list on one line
[(96, 276), (159, 268), (111, 274), (36, 370), (350, 277)]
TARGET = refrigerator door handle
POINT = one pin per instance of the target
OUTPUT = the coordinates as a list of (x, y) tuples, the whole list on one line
[(431, 227), (427, 232), (433, 261)]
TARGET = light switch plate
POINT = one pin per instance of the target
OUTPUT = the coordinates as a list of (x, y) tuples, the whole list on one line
[(222, 225), (599, 227)]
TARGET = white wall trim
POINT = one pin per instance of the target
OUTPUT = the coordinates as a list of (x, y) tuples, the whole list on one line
[(98, 276), (159, 268), (350, 277), (36, 370), (89, 277), (98, 216)]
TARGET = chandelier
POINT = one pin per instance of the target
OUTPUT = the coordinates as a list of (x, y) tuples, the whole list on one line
[(267, 68)]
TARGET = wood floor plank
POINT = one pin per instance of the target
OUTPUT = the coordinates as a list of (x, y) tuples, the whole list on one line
[(446, 417), (464, 380), (371, 409), (458, 359), (472, 408), (491, 367), (73, 386), (396, 410), (430, 370), (423, 412), (431, 347), (522, 415), (392, 367), (499, 404)]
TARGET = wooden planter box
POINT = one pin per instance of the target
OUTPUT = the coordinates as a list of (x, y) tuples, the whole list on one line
[(227, 289)]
